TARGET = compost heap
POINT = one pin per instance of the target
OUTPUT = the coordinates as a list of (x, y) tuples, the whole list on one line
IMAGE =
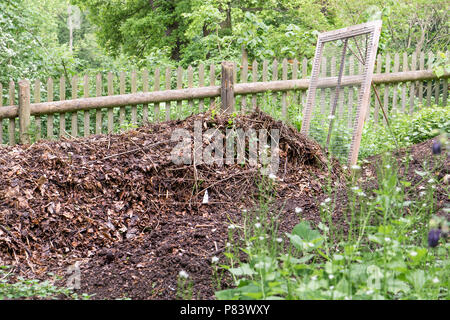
[(132, 218)]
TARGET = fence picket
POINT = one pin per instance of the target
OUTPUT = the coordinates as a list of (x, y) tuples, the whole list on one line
[(86, 115), (12, 122), (284, 114), (274, 78), (50, 116), (37, 99), (412, 86), (421, 85), (404, 68), (254, 79), (122, 91), (62, 96), (303, 93), (396, 86), (156, 87), (244, 77), (387, 87), (134, 90), (429, 82), (201, 83), (98, 112), (74, 114), (212, 82), (167, 103), (111, 110), (378, 88), (190, 85), (179, 86), (293, 96)]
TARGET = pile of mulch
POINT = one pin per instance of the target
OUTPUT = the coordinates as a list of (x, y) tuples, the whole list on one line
[(130, 217)]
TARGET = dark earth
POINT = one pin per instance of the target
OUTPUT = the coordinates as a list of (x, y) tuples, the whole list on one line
[(132, 219)]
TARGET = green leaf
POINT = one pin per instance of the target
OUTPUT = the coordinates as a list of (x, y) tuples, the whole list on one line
[(244, 270)]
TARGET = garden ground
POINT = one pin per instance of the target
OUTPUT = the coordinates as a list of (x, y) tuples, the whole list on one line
[(133, 219)]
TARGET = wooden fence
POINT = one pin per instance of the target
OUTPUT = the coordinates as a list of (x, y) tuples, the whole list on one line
[(403, 83)]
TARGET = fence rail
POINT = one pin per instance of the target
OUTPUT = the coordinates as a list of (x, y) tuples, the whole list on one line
[(399, 90)]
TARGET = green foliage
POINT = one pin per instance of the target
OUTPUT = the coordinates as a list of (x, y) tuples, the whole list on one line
[(383, 256), (32, 288), (406, 130)]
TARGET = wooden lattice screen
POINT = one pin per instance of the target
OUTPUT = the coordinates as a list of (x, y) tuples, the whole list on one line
[(356, 42)]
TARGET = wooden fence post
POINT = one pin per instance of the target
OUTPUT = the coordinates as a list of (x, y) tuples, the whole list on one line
[(227, 88), (24, 112)]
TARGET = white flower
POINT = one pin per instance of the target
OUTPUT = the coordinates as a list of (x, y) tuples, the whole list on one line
[(231, 227), (314, 278), (355, 167), (298, 210), (430, 181), (261, 238), (345, 167), (331, 287), (279, 240), (331, 116), (413, 253), (398, 189), (183, 274), (422, 193), (257, 225), (387, 239), (330, 276), (435, 280), (327, 200), (369, 292), (388, 166), (214, 259), (272, 176), (244, 210)]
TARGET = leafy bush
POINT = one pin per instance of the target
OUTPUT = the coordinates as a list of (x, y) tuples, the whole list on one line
[(405, 130)]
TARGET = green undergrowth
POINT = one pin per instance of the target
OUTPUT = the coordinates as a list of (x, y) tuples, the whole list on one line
[(383, 254)]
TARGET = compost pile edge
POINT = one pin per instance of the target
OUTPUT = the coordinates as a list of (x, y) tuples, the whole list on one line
[(131, 218)]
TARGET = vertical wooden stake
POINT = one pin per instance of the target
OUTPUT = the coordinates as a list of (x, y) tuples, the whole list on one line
[(227, 87), (24, 112)]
